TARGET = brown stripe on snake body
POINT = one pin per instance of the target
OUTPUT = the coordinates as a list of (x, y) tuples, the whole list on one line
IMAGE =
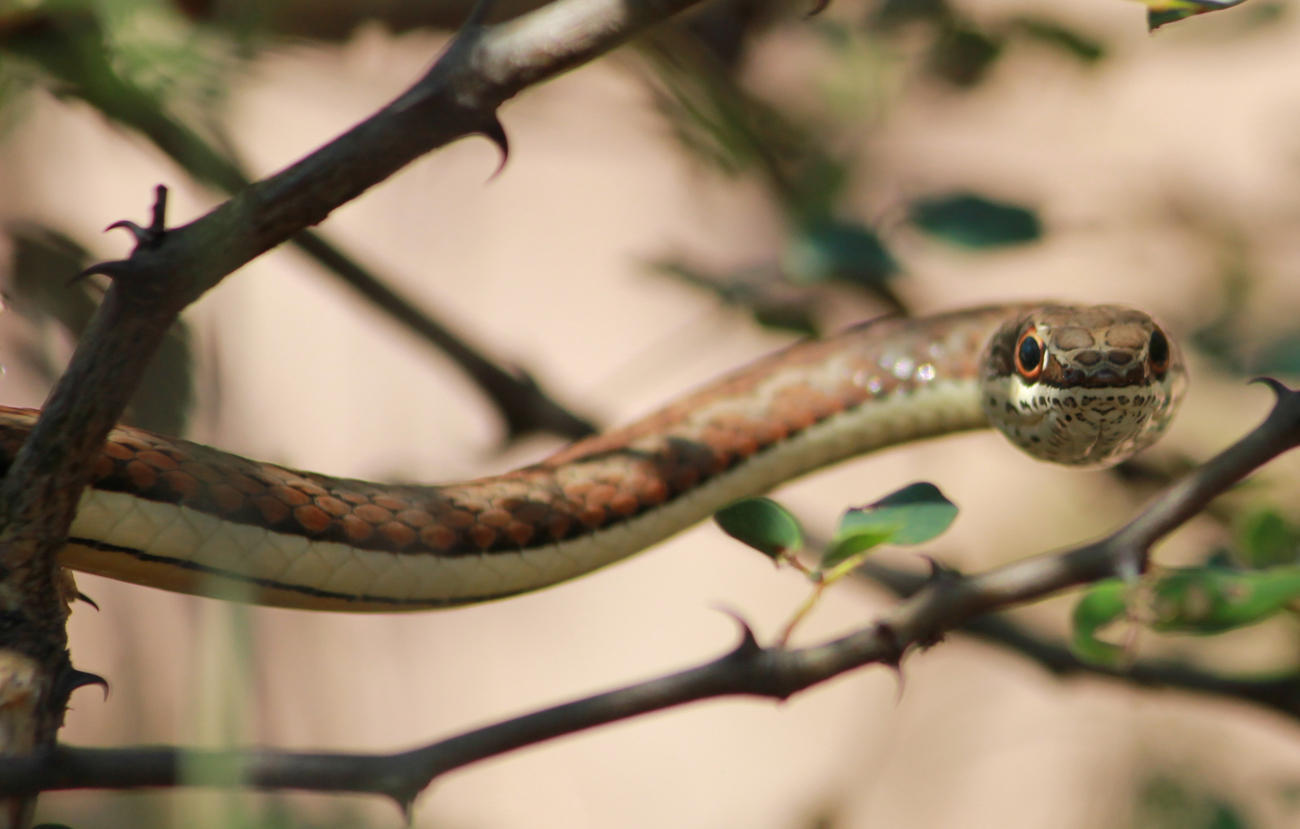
[(590, 485)]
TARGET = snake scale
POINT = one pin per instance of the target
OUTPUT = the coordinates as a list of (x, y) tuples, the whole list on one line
[(1076, 385)]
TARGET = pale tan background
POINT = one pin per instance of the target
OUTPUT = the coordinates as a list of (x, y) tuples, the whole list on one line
[(542, 263)]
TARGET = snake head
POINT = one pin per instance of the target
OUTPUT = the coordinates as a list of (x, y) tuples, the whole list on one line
[(1085, 386)]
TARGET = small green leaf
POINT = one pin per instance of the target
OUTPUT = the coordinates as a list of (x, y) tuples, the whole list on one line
[(1081, 47), (973, 221), (1102, 604), (855, 542), (1206, 600), (1281, 356), (764, 525), (1266, 539), (1160, 12), (827, 249), (962, 54), (912, 515)]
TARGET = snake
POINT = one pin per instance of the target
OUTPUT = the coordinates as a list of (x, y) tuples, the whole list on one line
[(1083, 386)]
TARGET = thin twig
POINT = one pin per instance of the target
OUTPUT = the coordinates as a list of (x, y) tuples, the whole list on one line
[(944, 603), (1280, 692)]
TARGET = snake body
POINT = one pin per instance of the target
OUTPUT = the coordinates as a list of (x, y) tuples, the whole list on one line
[(1084, 386)]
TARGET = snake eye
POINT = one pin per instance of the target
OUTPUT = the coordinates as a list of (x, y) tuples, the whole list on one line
[(1029, 354), (1158, 351)]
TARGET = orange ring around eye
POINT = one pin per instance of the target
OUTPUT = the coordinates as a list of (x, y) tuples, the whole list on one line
[(1030, 354)]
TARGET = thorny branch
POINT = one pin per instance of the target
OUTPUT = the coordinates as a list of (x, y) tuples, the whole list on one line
[(1280, 692), (171, 267), (944, 603)]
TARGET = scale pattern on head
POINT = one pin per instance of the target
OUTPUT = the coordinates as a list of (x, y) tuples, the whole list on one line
[(1086, 386)]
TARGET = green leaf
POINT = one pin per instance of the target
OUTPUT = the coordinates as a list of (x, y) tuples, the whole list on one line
[(1266, 539), (847, 545), (1281, 356), (1160, 12), (912, 515), (1102, 604), (1206, 600), (973, 221), (1051, 33), (962, 54), (827, 249), (764, 525)]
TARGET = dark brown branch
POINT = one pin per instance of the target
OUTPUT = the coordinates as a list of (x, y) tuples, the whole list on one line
[(944, 603), (1280, 692)]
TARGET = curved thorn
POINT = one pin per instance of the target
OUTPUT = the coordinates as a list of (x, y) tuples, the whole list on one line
[(75, 679), (407, 805), (496, 133), (902, 682), (748, 644), (1278, 388), (938, 570), (113, 270), (141, 234)]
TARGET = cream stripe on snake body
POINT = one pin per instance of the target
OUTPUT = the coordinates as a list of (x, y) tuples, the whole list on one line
[(301, 572)]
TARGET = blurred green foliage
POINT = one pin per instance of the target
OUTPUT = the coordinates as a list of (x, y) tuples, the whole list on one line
[(809, 159), (1165, 801)]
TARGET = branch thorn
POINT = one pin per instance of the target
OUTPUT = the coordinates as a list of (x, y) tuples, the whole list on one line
[(113, 270), (748, 644), (72, 679), (151, 236), (940, 572), (496, 133)]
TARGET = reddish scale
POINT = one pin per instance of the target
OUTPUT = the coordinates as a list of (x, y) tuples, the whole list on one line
[(312, 518), (272, 509), (228, 499), (520, 533), (396, 534), (290, 496), (356, 529), (439, 537), (372, 513), (416, 518), (482, 537), (184, 485), (332, 505)]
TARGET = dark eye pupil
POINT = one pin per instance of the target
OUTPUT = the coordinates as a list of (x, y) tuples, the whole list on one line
[(1158, 349), (1029, 354)]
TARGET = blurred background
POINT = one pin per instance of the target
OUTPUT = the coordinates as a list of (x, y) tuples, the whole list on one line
[(713, 191)]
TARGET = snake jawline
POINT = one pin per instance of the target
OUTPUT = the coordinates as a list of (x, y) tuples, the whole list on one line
[(177, 548)]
